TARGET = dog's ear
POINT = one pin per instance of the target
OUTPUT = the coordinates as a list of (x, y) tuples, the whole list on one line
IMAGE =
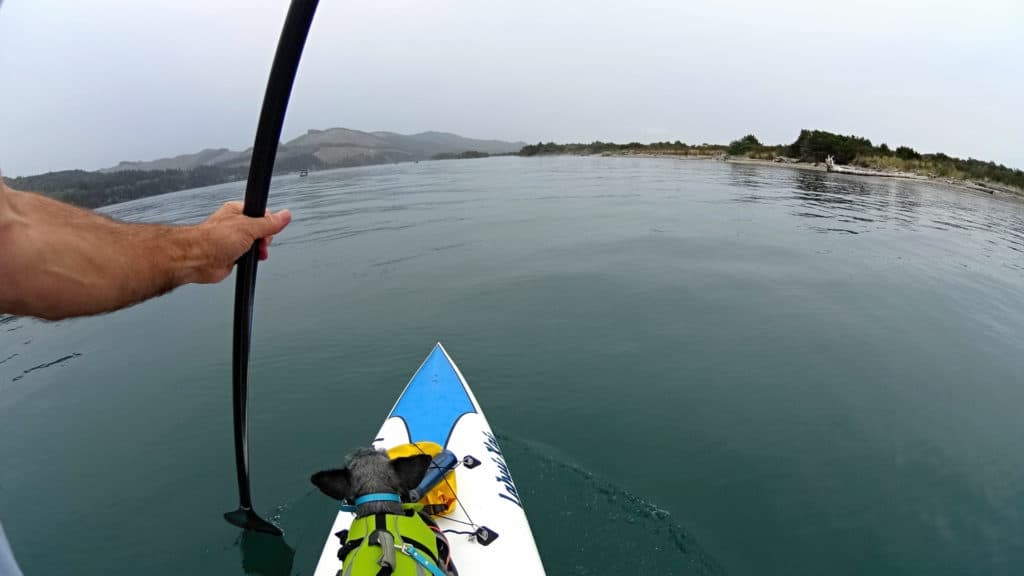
[(335, 483), (410, 470)]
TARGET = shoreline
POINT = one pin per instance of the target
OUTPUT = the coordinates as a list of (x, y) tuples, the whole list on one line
[(968, 185), (964, 185)]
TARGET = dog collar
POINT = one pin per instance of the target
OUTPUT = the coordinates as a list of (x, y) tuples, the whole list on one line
[(378, 497), (367, 498)]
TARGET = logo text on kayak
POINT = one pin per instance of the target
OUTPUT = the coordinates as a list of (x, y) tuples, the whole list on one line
[(505, 478)]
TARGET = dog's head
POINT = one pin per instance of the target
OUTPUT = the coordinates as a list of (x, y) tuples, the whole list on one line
[(370, 471)]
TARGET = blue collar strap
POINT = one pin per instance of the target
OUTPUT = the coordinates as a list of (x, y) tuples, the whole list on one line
[(378, 497), (367, 498)]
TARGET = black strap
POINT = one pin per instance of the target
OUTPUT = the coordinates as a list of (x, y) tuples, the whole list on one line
[(425, 516), (380, 523), (434, 509), (348, 547)]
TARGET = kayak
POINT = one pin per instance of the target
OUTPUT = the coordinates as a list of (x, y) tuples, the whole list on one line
[(485, 524)]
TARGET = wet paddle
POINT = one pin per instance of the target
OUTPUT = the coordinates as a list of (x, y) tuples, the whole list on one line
[(261, 167)]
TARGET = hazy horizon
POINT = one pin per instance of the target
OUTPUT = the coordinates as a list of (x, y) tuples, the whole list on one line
[(92, 85)]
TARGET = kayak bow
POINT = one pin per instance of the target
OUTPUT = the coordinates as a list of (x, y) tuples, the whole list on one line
[(438, 407)]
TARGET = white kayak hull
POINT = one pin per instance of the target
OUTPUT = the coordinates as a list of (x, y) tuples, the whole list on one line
[(438, 406)]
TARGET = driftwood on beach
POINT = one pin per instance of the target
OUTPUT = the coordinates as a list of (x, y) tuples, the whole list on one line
[(831, 166)]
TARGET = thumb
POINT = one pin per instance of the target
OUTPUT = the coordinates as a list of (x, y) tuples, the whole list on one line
[(270, 224)]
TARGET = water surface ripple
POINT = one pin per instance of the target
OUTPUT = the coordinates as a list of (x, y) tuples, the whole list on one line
[(695, 367)]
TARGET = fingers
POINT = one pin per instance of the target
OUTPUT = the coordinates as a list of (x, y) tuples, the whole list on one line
[(226, 211), (284, 217), (265, 247), (266, 227), (271, 223), (243, 230)]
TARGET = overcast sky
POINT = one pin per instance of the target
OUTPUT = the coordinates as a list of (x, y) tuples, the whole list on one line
[(87, 84)]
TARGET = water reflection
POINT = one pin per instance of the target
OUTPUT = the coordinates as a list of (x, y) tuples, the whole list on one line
[(823, 197), (751, 177), (265, 555), (843, 204)]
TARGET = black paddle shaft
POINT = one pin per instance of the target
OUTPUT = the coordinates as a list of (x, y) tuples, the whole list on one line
[(261, 168)]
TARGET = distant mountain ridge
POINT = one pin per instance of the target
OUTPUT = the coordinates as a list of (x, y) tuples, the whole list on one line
[(314, 150), (333, 148)]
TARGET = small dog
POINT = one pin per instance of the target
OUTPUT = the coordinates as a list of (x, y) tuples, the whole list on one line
[(370, 543), (370, 471)]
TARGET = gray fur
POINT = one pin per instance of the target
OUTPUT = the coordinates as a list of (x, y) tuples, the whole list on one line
[(370, 471)]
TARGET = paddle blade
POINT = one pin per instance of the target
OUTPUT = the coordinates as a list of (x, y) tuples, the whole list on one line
[(246, 519)]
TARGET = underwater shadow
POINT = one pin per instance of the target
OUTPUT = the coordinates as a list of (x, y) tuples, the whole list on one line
[(265, 554)]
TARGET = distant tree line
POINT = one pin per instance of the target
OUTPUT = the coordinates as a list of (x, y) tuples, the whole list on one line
[(93, 189), (468, 154), (745, 146), (815, 145), (599, 147), (812, 146)]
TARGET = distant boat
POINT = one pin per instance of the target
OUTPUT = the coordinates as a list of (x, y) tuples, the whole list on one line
[(303, 173)]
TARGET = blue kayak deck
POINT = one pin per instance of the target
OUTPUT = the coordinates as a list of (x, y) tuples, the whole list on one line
[(434, 400)]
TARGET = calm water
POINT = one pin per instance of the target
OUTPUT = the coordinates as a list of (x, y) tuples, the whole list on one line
[(734, 369)]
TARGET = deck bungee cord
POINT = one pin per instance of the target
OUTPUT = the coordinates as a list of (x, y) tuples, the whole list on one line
[(479, 532)]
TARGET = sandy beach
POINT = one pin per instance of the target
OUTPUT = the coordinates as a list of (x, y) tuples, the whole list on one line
[(967, 185)]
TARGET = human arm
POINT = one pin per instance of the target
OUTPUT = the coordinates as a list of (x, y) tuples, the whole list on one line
[(59, 261)]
